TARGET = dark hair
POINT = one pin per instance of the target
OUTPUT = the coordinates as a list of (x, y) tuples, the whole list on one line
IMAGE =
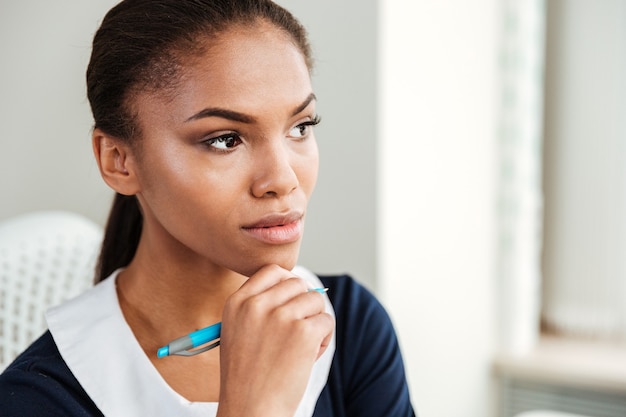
[(141, 46)]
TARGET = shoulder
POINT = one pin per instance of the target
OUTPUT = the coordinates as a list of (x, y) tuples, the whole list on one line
[(345, 289), (361, 320), (354, 303), (39, 382), (42, 357), (367, 377)]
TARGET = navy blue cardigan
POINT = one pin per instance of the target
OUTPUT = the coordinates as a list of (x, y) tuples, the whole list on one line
[(367, 377)]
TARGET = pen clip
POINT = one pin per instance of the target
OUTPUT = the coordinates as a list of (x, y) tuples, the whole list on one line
[(197, 350)]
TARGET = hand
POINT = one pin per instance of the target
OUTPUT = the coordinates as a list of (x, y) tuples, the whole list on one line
[(273, 331)]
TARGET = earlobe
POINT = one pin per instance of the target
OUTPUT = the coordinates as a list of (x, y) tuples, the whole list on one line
[(115, 161)]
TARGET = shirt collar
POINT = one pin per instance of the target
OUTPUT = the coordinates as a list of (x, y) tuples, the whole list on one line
[(101, 351)]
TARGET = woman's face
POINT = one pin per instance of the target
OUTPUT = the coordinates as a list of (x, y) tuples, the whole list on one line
[(227, 162)]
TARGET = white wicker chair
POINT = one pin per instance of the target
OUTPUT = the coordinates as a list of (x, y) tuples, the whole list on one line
[(45, 258)]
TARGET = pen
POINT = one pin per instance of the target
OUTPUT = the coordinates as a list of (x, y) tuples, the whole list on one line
[(182, 345)]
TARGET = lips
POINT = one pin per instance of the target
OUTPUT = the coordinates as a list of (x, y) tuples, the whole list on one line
[(277, 228)]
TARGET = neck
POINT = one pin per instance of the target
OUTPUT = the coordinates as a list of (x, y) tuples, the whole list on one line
[(164, 298)]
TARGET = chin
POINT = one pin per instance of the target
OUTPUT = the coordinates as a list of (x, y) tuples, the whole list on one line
[(285, 260)]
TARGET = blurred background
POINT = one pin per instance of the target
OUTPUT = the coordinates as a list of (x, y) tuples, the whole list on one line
[(473, 176)]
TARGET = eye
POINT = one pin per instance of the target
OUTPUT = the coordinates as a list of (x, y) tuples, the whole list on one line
[(302, 130), (224, 142)]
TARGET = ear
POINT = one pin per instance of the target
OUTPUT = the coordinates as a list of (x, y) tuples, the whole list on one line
[(116, 162)]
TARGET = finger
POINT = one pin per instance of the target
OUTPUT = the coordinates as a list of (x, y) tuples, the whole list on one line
[(321, 327), (264, 278), (326, 341), (307, 304), (279, 294), (273, 298), (306, 315)]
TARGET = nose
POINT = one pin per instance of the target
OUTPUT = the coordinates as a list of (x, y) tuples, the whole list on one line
[(274, 174)]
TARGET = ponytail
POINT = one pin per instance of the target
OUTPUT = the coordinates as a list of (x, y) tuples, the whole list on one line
[(121, 236)]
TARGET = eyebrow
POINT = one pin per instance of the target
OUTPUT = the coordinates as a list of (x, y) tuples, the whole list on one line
[(242, 117), (304, 104)]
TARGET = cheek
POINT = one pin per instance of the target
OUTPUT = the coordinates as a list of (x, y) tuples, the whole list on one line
[(309, 169), (168, 182)]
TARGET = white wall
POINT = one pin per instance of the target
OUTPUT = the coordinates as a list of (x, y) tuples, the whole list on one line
[(45, 151), (341, 224), (437, 193)]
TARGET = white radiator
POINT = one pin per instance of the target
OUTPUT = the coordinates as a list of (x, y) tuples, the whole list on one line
[(517, 396)]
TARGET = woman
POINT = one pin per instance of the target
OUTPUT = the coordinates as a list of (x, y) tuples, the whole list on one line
[(204, 116)]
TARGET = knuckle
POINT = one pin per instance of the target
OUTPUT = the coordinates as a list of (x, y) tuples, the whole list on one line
[(297, 283), (283, 315), (232, 302), (255, 304), (301, 329)]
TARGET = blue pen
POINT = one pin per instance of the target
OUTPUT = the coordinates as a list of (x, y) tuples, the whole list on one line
[(182, 345)]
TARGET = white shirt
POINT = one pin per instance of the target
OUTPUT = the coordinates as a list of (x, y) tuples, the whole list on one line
[(101, 351)]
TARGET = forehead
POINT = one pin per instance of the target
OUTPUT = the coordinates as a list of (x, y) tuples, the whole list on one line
[(244, 69)]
